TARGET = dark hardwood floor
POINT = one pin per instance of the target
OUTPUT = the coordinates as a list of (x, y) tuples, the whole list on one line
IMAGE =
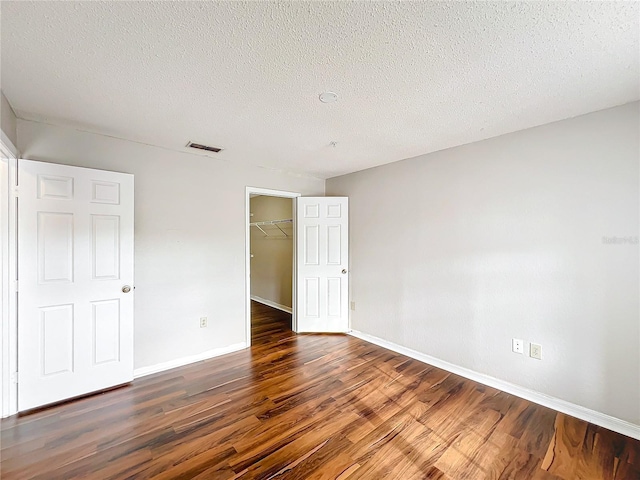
[(309, 407)]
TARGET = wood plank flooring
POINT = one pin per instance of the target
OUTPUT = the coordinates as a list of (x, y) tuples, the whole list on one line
[(309, 407)]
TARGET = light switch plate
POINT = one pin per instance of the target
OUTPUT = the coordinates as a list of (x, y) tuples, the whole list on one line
[(535, 351)]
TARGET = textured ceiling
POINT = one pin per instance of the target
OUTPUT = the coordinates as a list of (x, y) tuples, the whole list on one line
[(411, 77)]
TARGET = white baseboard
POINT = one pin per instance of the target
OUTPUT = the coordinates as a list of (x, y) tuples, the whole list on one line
[(586, 414), (269, 303), (180, 362)]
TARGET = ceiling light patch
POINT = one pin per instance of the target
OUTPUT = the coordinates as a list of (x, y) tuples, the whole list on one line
[(328, 97), (207, 148)]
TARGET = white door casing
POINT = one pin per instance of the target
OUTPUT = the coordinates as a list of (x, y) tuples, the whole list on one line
[(322, 237), (75, 255), (249, 191)]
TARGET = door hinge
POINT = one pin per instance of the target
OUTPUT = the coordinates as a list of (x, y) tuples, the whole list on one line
[(14, 377), (16, 285)]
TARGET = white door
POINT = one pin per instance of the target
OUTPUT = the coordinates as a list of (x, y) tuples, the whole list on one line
[(75, 281), (322, 237)]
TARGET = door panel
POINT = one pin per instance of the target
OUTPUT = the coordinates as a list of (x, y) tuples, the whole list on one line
[(56, 331), (105, 247), (322, 252), (55, 247), (75, 253), (106, 331)]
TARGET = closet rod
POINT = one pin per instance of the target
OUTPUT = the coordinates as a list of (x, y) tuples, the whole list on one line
[(272, 222)]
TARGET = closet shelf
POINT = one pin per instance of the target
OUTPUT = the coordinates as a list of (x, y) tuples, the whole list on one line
[(258, 225)]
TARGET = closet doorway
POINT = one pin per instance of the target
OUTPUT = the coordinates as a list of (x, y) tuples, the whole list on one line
[(270, 239)]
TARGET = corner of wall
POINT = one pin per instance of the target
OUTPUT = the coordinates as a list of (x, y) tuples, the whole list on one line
[(8, 124)]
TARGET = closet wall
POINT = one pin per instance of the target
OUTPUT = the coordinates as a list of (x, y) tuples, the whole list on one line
[(272, 260)]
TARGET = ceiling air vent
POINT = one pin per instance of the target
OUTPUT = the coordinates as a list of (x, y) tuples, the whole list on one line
[(204, 147)]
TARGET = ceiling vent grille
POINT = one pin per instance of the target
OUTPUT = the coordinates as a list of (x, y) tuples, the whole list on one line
[(204, 147)]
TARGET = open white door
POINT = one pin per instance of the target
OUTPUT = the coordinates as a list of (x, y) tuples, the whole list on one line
[(322, 237), (75, 277)]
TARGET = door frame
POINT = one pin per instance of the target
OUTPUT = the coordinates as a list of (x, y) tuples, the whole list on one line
[(8, 258), (247, 283)]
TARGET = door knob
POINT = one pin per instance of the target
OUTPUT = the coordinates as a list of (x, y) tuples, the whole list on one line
[(344, 270), (126, 289)]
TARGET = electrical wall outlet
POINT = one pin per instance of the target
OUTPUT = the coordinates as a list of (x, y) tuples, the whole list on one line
[(353, 305), (535, 351), (203, 322), (517, 345)]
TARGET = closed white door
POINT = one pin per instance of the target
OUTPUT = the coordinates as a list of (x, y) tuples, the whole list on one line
[(75, 281), (322, 236)]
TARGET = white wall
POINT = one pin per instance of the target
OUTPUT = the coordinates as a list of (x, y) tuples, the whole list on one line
[(456, 252), (189, 234), (272, 255)]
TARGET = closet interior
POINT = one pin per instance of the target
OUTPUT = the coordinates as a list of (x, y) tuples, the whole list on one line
[(271, 237)]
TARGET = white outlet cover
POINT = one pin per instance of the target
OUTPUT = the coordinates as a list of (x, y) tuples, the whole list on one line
[(517, 345)]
